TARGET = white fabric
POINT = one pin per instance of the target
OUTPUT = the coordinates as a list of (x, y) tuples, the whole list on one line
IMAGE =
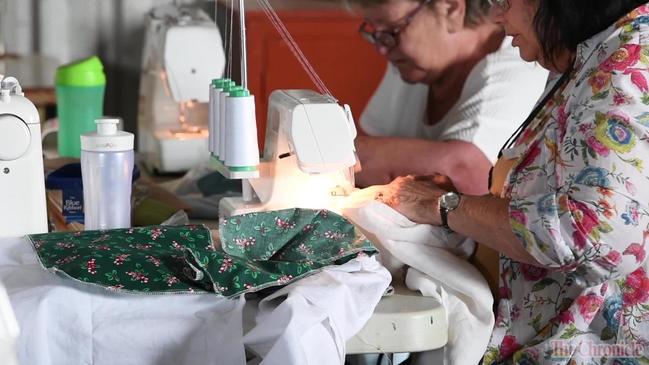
[(64, 322), (328, 310), (496, 98), (437, 272)]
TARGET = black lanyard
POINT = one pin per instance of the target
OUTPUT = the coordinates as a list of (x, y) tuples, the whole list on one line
[(535, 112)]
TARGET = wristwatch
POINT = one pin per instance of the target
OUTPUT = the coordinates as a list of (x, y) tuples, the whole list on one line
[(447, 203)]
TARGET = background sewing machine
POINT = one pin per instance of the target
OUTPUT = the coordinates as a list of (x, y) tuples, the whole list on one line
[(173, 109)]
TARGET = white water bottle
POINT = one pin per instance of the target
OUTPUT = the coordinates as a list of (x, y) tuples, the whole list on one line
[(107, 171)]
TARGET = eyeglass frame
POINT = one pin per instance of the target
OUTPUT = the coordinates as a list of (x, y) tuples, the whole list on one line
[(393, 34)]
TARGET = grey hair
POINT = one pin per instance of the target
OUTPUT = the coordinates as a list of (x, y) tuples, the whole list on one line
[(476, 10)]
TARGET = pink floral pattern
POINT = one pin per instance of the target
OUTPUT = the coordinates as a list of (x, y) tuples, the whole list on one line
[(636, 288), (580, 205)]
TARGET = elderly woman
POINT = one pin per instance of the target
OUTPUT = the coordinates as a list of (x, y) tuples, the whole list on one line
[(455, 89), (569, 209)]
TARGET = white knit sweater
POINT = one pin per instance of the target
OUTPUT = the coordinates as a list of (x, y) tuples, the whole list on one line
[(497, 96)]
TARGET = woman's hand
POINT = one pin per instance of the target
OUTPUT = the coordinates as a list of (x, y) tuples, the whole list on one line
[(416, 197), (484, 218)]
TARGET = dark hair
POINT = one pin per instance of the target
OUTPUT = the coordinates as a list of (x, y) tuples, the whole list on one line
[(563, 24)]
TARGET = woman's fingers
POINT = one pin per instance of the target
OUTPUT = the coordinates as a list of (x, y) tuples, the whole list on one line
[(362, 196)]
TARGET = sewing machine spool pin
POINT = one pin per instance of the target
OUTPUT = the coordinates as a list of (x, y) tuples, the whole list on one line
[(247, 191)]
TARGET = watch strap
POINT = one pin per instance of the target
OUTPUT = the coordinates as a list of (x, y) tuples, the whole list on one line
[(444, 209), (443, 213)]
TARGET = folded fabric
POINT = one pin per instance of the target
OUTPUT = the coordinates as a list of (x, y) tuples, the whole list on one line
[(310, 321), (259, 250), (436, 271)]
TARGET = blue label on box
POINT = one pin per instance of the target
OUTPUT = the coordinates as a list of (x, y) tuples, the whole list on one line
[(73, 206)]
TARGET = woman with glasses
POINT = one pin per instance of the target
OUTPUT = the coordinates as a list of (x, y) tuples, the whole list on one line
[(454, 90), (569, 209)]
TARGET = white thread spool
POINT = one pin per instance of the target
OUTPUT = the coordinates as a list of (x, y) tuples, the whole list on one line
[(215, 88), (242, 150), (211, 119), (222, 118)]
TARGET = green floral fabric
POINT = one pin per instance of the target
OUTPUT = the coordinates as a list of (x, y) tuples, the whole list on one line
[(258, 251)]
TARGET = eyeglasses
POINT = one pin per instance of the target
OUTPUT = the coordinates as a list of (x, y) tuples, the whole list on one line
[(389, 38)]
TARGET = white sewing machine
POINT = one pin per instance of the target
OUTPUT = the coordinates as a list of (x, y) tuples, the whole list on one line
[(182, 52), (309, 162), (308, 159), (22, 181)]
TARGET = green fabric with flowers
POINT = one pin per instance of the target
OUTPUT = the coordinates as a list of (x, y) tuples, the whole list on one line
[(258, 250)]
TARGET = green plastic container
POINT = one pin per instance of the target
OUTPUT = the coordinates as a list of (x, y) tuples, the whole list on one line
[(80, 88)]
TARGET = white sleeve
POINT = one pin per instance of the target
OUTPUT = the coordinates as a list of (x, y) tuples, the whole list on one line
[(497, 97)]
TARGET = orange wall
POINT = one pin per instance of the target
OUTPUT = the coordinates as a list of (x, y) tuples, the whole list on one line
[(350, 67)]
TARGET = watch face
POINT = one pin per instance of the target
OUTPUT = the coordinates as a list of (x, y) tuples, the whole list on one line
[(450, 200)]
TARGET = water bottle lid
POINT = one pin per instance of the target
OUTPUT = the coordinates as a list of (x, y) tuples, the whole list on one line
[(107, 138), (85, 72)]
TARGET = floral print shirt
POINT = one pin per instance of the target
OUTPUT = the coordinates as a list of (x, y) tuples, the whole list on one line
[(579, 203)]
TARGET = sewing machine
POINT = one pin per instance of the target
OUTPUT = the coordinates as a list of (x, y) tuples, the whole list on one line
[(308, 162), (22, 182), (308, 159), (182, 50)]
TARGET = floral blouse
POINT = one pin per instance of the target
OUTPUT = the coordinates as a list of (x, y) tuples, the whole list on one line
[(580, 204)]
